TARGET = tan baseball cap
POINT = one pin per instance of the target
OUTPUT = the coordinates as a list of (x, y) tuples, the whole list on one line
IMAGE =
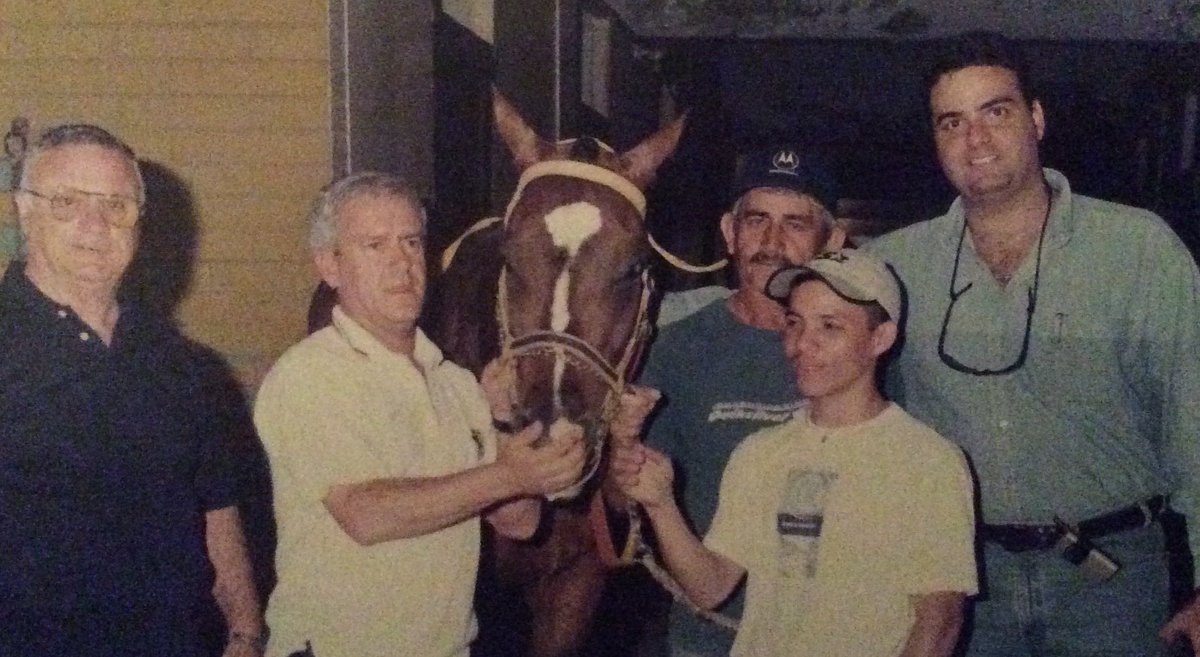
[(855, 275)]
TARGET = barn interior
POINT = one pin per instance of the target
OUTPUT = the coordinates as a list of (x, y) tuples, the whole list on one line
[(241, 111)]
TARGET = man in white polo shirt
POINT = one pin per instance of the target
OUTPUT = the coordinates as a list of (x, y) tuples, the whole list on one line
[(383, 453)]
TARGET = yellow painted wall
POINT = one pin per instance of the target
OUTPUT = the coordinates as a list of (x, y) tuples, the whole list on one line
[(232, 96)]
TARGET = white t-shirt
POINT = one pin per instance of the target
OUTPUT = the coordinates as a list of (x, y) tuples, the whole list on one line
[(838, 527), (340, 408)]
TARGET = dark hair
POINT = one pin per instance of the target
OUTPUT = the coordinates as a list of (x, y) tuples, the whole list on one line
[(82, 133), (982, 48), (79, 134), (876, 315)]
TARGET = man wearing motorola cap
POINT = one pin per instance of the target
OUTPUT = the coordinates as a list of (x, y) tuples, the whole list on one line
[(722, 370)]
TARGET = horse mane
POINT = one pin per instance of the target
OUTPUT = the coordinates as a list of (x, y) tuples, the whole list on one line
[(461, 314)]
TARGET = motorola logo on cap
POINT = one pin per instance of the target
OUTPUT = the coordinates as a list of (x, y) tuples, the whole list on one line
[(785, 161)]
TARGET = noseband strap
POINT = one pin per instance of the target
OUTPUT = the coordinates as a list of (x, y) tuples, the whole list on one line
[(580, 350), (583, 351)]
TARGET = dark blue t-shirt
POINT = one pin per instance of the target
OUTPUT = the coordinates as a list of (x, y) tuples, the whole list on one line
[(721, 381)]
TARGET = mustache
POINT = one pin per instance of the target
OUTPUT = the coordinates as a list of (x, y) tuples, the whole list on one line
[(773, 259)]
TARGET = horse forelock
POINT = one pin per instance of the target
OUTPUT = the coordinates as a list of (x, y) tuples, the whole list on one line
[(588, 150)]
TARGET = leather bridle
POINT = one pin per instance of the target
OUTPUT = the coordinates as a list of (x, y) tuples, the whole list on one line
[(568, 346)]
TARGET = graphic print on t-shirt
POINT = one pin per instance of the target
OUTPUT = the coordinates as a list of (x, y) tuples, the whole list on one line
[(798, 521), (754, 411)]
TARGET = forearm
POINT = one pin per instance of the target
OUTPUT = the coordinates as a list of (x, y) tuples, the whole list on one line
[(387, 509), (233, 586), (707, 577), (938, 620)]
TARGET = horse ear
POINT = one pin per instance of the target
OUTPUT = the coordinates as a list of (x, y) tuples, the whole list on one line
[(641, 162), (523, 143)]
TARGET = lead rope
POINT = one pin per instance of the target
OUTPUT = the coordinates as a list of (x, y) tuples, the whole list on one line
[(637, 550), (678, 263)]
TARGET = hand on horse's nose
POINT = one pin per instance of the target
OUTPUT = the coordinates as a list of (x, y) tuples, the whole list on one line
[(547, 469)]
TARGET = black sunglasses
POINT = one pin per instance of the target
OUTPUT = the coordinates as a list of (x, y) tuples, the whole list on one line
[(955, 364)]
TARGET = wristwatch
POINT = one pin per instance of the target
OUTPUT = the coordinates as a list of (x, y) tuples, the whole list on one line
[(256, 643)]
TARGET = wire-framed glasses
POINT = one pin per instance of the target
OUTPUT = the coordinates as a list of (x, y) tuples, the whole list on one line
[(66, 206), (956, 294)]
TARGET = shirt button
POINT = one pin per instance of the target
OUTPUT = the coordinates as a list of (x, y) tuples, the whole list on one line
[(1004, 424), (62, 314), (84, 336)]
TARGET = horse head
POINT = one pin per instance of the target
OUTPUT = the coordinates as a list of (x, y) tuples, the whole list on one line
[(574, 285)]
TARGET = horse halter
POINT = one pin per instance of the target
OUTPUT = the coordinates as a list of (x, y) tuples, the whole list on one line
[(570, 347)]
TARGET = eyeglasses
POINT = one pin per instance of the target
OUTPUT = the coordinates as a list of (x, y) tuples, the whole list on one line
[(118, 211), (955, 364)]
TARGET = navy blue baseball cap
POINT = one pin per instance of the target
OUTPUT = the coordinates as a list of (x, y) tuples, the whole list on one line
[(787, 167)]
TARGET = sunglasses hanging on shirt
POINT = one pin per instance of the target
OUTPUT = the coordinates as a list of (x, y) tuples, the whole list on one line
[(955, 294)]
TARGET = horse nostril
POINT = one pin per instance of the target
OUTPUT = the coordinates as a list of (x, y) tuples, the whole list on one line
[(521, 418)]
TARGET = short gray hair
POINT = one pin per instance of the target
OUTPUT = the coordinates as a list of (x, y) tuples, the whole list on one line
[(323, 217), (80, 134)]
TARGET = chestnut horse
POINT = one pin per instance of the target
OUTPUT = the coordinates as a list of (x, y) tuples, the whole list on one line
[(560, 286)]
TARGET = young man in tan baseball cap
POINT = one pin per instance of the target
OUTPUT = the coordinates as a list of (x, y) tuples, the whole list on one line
[(853, 523)]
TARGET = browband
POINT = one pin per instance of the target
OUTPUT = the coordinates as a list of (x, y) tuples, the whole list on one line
[(583, 171)]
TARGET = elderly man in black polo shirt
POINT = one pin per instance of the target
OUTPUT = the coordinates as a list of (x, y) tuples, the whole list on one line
[(117, 516)]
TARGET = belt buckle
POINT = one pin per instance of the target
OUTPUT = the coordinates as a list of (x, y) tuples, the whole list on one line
[(1093, 563)]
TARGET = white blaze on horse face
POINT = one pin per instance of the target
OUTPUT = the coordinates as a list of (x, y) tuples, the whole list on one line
[(569, 226)]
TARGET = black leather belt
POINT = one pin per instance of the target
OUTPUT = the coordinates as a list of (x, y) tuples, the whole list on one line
[(1024, 538)]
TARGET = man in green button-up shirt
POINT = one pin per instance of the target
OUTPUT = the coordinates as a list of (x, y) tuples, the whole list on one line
[(1056, 338)]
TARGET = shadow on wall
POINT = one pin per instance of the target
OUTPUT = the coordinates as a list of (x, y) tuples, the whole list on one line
[(159, 277), (161, 272)]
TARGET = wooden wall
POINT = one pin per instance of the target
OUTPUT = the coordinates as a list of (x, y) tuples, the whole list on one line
[(227, 101)]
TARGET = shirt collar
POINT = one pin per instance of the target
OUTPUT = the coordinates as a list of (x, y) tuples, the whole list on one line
[(18, 291), (425, 353), (1062, 219), (22, 302), (849, 430)]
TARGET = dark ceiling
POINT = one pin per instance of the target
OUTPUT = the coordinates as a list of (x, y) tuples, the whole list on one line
[(1138, 20)]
